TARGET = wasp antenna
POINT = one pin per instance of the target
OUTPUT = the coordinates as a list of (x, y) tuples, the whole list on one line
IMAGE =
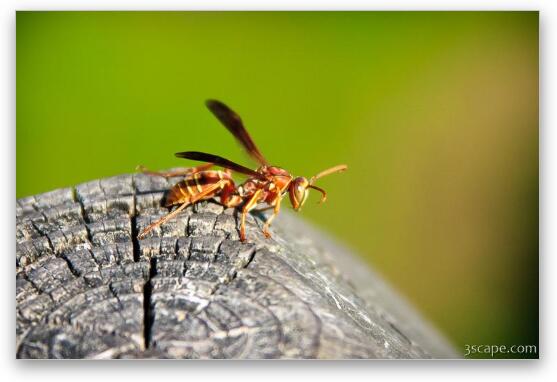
[(322, 191), (329, 171)]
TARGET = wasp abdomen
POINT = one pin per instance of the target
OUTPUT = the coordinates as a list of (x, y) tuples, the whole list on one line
[(193, 185)]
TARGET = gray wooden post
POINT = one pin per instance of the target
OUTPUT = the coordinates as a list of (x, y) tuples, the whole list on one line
[(87, 288)]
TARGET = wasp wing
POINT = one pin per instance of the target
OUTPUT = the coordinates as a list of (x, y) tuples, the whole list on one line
[(219, 161), (234, 124)]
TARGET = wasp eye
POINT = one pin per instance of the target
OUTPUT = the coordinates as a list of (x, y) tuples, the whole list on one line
[(298, 192)]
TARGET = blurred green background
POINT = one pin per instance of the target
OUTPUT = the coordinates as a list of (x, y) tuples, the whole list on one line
[(436, 113)]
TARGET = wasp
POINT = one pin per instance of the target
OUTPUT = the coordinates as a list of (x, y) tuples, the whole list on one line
[(267, 184)]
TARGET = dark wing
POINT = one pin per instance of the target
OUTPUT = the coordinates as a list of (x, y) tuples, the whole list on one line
[(233, 123), (219, 161)]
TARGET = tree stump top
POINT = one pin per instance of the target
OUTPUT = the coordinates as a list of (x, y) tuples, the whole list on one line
[(87, 288)]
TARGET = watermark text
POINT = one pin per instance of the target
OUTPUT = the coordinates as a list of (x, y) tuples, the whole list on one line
[(494, 350)]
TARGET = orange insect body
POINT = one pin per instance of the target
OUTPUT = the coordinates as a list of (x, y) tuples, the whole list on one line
[(195, 184), (277, 181), (268, 184)]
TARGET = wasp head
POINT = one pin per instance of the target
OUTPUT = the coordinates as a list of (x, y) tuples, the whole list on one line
[(299, 187), (298, 192)]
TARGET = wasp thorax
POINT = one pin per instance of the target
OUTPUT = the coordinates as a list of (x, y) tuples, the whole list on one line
[(298, 192)]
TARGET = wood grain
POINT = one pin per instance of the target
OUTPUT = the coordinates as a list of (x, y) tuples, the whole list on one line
[(87, 288)]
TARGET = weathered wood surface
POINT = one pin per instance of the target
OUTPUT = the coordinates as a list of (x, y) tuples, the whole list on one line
[(87, 288)]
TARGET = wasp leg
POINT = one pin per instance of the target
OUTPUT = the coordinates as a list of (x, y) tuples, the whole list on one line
[(252, 202), (276, 210), (179, 172), (232, 201), (161, 221), (208, 191)]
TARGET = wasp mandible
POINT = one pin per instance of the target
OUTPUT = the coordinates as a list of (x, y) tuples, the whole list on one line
[(267, 184)]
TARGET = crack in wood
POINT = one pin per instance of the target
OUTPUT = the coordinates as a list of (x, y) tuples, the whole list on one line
[(202, 296), (147, 313)]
